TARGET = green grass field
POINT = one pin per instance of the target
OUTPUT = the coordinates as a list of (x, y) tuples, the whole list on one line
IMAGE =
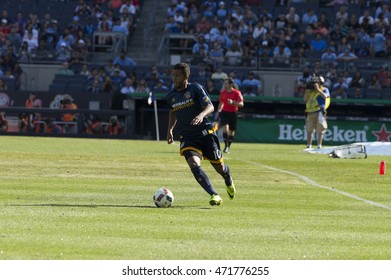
[(92, 199)]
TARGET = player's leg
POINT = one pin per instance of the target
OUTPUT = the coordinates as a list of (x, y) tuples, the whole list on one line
[(212, 152), (231, 129), (225, 125), (193, 159)]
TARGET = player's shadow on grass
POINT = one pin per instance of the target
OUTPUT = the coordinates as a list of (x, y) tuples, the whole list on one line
[(104, 205)]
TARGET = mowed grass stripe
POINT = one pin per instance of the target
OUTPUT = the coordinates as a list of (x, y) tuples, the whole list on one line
[(92, 199)]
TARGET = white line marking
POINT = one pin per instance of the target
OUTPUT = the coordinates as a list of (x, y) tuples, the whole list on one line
[(315, 184)]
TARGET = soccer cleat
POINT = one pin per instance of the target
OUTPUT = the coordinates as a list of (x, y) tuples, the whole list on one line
[(226, 150), (215, 199), (231, 190)]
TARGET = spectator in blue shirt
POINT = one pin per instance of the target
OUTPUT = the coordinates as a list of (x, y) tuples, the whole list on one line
[(124, 60), (119, 27), (309, 17), (200, 44), (377, 44), (318, 44), (329, 57), (251, 82)]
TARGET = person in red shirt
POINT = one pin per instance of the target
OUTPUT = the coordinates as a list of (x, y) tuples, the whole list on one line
[(231, 100)]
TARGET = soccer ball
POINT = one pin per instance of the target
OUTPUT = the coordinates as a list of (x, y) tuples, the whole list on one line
[(163, 198)]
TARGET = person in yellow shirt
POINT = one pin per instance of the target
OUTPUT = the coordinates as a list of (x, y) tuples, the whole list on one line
[(317, 100)]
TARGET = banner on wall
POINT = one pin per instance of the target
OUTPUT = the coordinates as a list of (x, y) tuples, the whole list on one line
[(293, 131)]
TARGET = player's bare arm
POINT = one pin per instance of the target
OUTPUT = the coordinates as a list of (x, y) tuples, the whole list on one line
[(170, 128), (209, 109)]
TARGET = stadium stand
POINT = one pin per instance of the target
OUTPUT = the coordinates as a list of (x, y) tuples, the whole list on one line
[(228, 22)]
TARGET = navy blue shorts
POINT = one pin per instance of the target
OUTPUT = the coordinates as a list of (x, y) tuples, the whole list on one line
[(207, 146)]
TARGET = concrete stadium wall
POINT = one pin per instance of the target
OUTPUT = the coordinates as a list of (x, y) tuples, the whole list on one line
[(39, 76), (276, 83)]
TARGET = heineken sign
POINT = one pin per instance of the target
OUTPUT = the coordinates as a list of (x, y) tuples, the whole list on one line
[(294, 131)]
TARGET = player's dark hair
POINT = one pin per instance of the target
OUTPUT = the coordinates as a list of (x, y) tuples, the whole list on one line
[(184, 67)]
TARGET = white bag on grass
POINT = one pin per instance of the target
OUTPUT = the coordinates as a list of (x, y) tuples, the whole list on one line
[(349, 151)]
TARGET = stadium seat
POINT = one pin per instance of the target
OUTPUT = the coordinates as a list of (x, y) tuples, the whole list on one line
[(386, 93), (372, 93)]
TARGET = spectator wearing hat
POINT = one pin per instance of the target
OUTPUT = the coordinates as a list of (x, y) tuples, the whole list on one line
[(63, 53), (222, 11), (4, 29), (79, 53), (117, 78), (160, 87), (75, 26), (347, 55), (65, 40)]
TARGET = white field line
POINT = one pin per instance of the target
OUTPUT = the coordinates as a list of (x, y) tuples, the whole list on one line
[(315, 184)]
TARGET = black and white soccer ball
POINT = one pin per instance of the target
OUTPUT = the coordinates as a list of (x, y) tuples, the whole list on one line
[(163, 198)]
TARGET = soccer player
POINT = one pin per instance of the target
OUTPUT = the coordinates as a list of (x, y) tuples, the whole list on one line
[(231, 100), (189, 107)]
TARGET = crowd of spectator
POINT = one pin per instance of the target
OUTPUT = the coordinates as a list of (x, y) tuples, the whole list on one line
[(27, 37), (325, 36)]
